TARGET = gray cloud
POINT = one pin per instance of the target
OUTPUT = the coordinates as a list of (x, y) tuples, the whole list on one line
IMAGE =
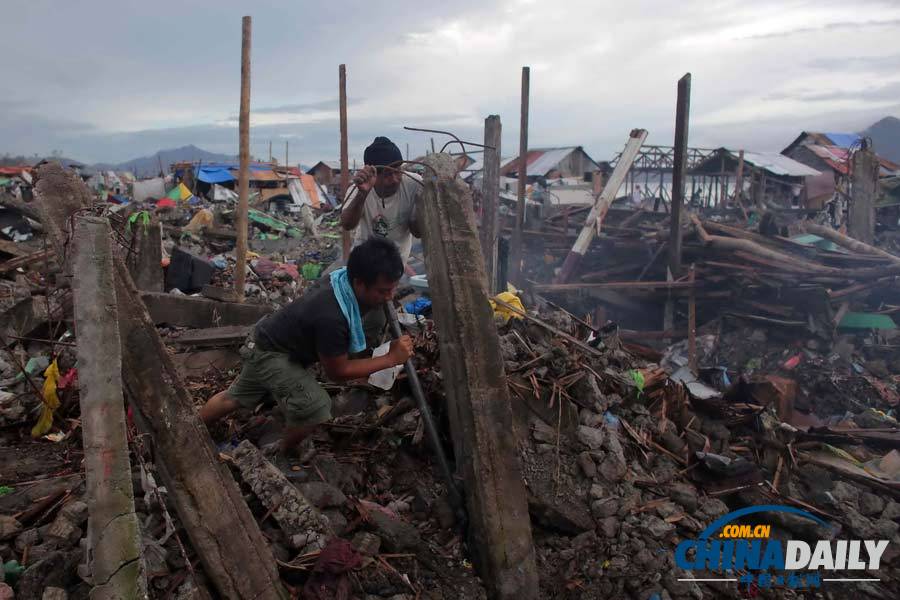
[(150, 82), (828, 27), (305, 108), (876, 93)]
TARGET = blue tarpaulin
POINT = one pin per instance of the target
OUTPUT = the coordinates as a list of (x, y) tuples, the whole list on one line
[(214, 175), (843, 140)]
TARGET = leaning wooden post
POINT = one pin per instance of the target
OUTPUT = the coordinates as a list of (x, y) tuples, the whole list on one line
[(739, 185), (346, 236), (114, 535), (490, 199), (522, 175), (240, 270), (682, 115), (475, 383), (601, 204), (692, 322)]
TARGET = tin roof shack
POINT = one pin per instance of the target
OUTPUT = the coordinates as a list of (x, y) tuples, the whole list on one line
[(553, 163), (833, 161), (771, 177)]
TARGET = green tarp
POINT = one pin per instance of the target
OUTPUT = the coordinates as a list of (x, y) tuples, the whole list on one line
[(856, 320)]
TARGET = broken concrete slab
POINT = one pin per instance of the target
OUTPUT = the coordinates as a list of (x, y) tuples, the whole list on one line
[(211, 337), (201, 313), (234, 553), (306, 529)]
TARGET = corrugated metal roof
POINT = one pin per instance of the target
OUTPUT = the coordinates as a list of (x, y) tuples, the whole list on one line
[(775, 163), (837, 158), (539, 160)]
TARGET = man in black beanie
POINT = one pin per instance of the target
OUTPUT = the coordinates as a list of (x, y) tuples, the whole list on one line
[(384, 203)]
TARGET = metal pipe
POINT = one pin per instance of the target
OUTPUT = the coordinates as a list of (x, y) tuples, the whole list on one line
[(430, 429)]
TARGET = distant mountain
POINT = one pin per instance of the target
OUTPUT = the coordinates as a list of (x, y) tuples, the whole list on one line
[(885, 136), (148, 166)]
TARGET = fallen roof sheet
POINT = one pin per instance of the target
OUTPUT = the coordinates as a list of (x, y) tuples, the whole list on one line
[(838, 158)]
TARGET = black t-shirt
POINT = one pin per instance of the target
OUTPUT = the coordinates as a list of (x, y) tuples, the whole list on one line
[(310, 326)]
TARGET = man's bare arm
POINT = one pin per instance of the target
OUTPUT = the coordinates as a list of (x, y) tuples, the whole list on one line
[(343, 368), (352, 211)]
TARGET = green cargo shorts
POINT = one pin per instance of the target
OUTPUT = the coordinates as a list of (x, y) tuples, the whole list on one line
[(273, 376)]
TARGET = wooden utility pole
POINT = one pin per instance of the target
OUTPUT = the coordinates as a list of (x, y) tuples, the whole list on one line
[(477, 392), (522, 174), (346, 236), (240, 251), (739, 185), (692, 322), (864, 177), (286, 143), (270, 151), (490, 199), (679, 161)]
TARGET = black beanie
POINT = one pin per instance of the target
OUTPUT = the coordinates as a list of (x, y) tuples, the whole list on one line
[(382, 152)]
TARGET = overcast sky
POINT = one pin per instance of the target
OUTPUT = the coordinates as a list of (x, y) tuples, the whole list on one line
[(110, 81)]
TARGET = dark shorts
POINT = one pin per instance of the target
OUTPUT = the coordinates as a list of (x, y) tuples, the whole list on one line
[(273, 375)]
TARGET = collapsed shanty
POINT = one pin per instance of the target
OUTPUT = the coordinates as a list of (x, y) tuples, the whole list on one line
[(616, 355)]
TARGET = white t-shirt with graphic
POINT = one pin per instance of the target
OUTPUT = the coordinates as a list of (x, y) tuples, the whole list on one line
[(389, 217)]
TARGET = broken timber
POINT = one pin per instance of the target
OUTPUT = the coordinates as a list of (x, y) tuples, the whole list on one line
[(114, 535), (679, 163), (475, 384), (200, 313), (601, 204), (847, 242), (209, 503)]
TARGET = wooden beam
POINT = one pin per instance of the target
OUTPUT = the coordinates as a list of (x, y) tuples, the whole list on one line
[(863, 188), (114, 533), (490, 199), (27, 260), (692, 324), (679, 163), (477, 394), (739, 186), (601, 204), (346, 236), (515, 253), (846, 241), (223, 532), (240, 269)]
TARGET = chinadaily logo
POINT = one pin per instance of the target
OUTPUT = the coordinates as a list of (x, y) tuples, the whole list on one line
[(746, 555)]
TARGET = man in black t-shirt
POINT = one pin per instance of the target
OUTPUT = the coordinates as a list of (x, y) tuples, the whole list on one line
[(315, 328)]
